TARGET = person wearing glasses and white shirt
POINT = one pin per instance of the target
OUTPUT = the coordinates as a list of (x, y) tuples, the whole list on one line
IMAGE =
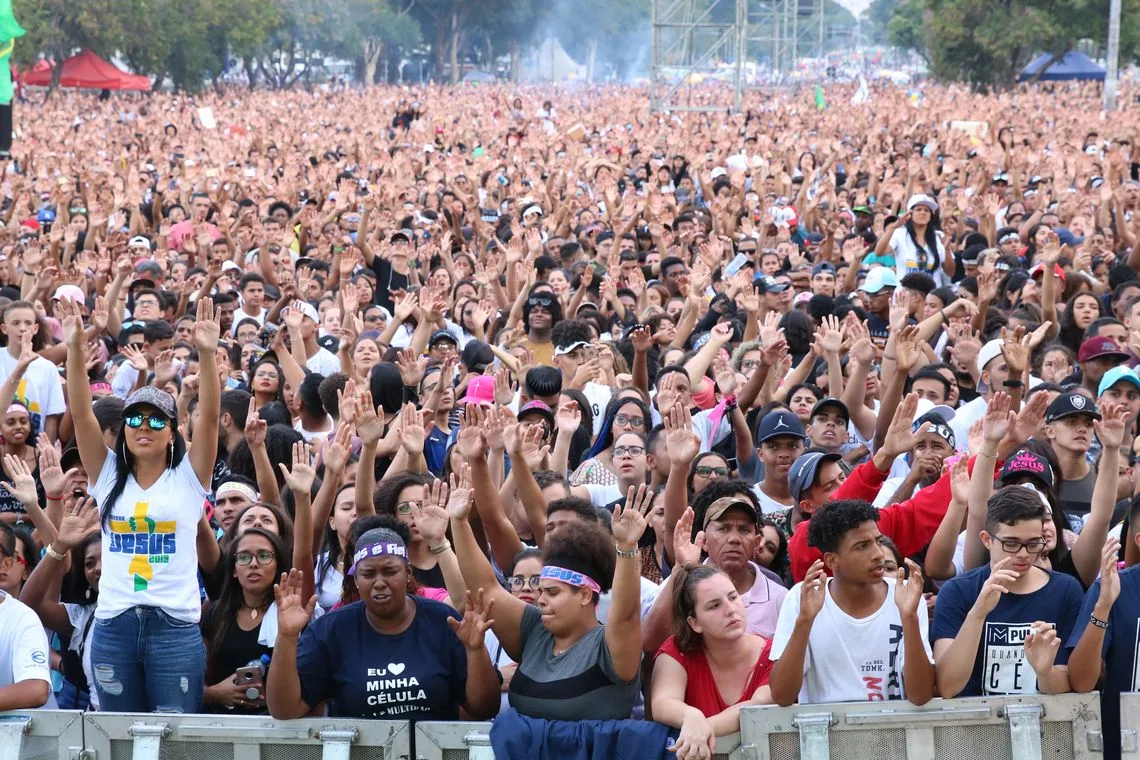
[(25, 672)]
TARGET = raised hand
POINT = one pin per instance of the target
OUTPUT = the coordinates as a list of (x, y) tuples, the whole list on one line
[(459, 500), (683, 443), (293, 613), (813, 591), (1030, 419), (255, 427), (300, 478), (52, 476), (642, 339), (207, 326), (908, 589), (1015, 349), (997, 584), (335, 453), (411, 367), (136, 357), (687, 548), (629, 521), (568, 418), (1110, 429), (472, 443), (830, 335), (431, 518), (998, 418), (369, 427), (477, 620), (23, 485), (412, 431), (960, 480), (81, 521), (900, 437)]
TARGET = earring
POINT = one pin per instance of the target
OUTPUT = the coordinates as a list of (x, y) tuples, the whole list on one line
[(87, 593), (172, 454)]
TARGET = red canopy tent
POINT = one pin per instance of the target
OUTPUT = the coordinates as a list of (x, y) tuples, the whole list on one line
[(86, 70)]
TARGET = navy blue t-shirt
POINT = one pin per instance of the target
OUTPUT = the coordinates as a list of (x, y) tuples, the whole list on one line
[(420, 674), (1122, 667), (1001, 666)]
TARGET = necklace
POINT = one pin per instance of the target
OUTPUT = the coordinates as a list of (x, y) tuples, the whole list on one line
[(254, 612)]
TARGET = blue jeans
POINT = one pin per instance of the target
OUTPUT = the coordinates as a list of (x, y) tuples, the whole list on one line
[(146, 661)]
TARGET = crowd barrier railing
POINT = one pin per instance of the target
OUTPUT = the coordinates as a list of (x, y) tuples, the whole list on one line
[(1061, 727)]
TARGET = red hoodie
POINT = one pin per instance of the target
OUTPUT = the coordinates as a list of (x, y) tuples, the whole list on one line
[(910, 524)]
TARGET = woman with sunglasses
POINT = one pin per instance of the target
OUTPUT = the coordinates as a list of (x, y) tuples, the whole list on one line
[(146, 651), (706, 468)]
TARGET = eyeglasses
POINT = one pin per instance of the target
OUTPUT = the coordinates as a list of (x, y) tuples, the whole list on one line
[(405, 507), (263, 557), (374, 318), (748, 364), (707, 472), (1013, 546), (636, 423), (147, 302), (519, 582), (135, 421), (628, 451)]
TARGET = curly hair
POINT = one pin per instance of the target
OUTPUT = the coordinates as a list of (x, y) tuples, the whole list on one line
[(831, 522), (348, 591), (586, 548), (387, 493)]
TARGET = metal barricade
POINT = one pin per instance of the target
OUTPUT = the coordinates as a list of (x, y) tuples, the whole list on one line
[(117, 736), (472, 741), (1059, 727), (41, 735)]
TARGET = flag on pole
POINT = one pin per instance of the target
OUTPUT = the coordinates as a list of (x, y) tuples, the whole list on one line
[(863, 94), (10, 29), (820, 102)]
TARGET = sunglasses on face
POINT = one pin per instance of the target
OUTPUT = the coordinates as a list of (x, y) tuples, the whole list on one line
[(543, 301), (519, 582), (135, 421), (263, 557), (707, 472)]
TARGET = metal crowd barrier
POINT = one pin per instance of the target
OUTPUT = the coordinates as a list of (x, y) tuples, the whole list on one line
[(1063, 727), (1060, 727)]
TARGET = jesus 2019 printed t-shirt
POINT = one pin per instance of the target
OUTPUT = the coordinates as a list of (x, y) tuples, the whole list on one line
[(150, 558), (418, 674)]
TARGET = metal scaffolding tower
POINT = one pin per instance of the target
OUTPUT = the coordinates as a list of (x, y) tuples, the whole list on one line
[(697, 40)]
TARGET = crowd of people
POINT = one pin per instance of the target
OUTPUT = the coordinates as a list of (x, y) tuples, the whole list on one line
[(536, 405)]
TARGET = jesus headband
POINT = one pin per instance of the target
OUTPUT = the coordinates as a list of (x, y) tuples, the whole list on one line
[(379, 549), (571, 577)]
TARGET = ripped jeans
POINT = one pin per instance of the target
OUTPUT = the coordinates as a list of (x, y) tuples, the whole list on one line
[(144, 660)]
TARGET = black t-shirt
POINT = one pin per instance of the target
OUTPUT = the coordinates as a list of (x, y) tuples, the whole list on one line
[(237, 649), (387, 280), (432, 577)]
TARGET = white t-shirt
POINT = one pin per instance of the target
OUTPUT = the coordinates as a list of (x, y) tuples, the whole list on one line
[(323, 362), (150, 555), (40, 389), (964, 418), (124, 381), (649, 591), (23, 644), (768, 505), (850, 659), (906, 257), (82, 619), (330, 590), (599, 397), (240, 315)]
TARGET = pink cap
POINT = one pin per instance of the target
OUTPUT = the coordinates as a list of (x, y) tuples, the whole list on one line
[(481, 390)]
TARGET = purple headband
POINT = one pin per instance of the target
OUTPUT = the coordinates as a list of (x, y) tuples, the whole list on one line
[(378, 549), (572, 577)]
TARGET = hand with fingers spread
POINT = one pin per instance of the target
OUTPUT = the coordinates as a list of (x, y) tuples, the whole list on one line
[(411, 367), (136, 358), (687, 548), (369, 426), (477, 620), (629, 521), (471, 439), (412, 431), (901, 436), (1015, 349), (23, 485), (300, 477), (997, 419), (1111, 427), (830, 335), (569, 418), (81, 521), (431, 518), (293, 612), (1029, 421), (55, 481)]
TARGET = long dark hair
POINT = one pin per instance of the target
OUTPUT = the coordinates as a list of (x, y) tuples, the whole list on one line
[(606, 435), (125, 465), (330, 543), (75, 589), (929, 242), (223, 613)]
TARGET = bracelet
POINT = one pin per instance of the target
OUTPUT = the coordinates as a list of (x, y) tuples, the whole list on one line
[(890, 358), (984, 453), (26, 273), (54, 497), (1101, 624), (942, 313), (441, 548), (51, 552), (626, 553)]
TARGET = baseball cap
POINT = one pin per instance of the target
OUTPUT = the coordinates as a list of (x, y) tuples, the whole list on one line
[(769, 284), (309, 311), (1026, 462), (990, 351), (921, 200), (571, 348), (148, 395), (863, 210), (779, 423), (1095, 348), (717, 509), (139, 241), (1039, 268), (802, 298), (823, 266), (405, 235), (1118, 375), (802, 475), (926, 406), (481, 390), (1069, 405), (540, 408), (834, 403), (476, 356), (442, 335), (70, 293), (938, 426), (879, 278)]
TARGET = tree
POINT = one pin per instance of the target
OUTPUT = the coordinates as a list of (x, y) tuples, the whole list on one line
[(906, 27), (371, 27), (590, 29)]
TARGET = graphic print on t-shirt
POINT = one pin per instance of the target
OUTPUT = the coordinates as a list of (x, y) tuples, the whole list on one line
[(34, 410), (392, 694), (876, 672), (1006, 668), (150, 541)]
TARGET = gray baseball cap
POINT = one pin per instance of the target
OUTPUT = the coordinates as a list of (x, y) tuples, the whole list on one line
[(148, 395), (802, 475)]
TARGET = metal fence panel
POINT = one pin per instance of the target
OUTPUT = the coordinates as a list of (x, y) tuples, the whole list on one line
[(117, 736), (41, 735), (470, 741), (1060, 727)]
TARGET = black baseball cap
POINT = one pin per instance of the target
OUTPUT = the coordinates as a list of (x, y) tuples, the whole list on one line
[(1069, 405)]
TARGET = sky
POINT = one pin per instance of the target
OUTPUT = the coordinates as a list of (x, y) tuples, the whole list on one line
[(855, 6)]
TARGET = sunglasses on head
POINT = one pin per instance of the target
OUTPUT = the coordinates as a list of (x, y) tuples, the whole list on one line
[(135, 421)]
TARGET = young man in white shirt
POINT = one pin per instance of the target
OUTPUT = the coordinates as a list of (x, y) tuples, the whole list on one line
[(860, 635), (301, 320), (40, 388), (25, 671)]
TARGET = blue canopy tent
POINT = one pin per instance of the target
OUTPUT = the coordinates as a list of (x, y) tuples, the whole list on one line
[(1073, 66)]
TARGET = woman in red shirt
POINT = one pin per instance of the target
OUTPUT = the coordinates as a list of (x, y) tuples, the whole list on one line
[(710, 666)]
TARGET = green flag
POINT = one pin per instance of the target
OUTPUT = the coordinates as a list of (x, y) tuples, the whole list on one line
[(820, 103), (9, 27)]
